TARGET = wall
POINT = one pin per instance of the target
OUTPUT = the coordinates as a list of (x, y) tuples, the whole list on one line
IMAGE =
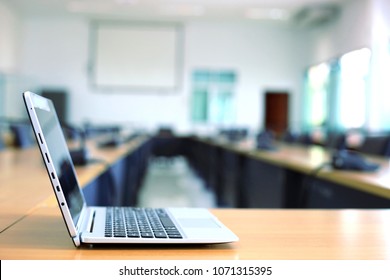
[(9, 61), (9, 39), (351, 30)]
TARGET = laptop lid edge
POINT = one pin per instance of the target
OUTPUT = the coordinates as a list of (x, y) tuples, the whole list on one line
[(73, 230)]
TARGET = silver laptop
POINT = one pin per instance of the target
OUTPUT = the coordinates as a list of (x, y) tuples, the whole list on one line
[(94, 224)]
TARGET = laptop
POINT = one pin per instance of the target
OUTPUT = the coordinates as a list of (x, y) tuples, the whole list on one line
[(112, 225)]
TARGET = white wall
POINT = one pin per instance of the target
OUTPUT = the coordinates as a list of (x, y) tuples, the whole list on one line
[(9, 50), (9, 32), (352, 30)]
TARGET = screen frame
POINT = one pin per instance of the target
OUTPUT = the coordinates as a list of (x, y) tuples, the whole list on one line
[(33, 103)]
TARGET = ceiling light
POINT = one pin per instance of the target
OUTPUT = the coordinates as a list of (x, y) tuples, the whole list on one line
[(76, 6), (183, 10), (126, 2), (273, 14), (278, 14), (88, 7)]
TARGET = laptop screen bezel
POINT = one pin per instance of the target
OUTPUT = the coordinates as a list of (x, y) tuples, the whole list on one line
[(35, 103)]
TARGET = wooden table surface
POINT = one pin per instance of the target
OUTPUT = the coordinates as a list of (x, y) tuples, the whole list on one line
[(264, 234)]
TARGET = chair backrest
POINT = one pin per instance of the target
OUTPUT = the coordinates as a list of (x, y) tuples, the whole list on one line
[(22, 134), (304, 139), (289, 137), (165, 131), (335, 141), (2, 144), (376, 145)]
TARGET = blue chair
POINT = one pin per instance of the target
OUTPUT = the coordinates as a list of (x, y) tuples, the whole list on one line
[(2, 144), (305, 139), (376, 145), (289, 137), (336, 141), (22, 134)]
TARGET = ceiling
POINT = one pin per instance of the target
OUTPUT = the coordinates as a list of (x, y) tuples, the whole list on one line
[(177, 10)]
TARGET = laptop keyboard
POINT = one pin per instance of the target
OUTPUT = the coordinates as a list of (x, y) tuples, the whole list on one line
[(139, 223)]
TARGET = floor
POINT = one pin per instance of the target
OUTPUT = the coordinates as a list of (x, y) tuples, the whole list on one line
[(173, 184)]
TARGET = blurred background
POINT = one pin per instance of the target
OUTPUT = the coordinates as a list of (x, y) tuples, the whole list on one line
[(201, 66)]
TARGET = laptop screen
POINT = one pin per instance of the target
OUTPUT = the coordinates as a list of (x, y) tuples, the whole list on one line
[(60, 156)]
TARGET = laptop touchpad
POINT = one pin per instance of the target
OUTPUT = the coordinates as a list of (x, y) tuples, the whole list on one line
[(198, 223)]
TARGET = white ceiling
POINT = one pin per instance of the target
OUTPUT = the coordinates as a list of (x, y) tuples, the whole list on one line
[(178, 10)]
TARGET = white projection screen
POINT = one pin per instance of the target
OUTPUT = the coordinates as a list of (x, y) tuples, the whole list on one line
[(135, 56)]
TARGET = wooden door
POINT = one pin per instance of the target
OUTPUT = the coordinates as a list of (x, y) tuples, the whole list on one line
[(276, 112)]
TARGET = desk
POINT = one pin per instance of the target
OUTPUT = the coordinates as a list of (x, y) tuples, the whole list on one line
[(264, 234), (307, 159), (18, 195), (32, 227), (278, 177)]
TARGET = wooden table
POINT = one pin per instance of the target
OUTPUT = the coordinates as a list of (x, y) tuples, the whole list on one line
[(23, 184), (306, 159), (264, 234)]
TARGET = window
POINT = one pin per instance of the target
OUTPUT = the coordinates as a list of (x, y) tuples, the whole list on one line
[(379, 117), (2, 96), (212, 96), (317, 81), (354, 71), (336, 93)]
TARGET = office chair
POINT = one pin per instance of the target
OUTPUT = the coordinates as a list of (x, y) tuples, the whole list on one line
[(165, 131), (335, 140), (289, 137), (234, 134), (92, 130), (165, 146), (80, 155), (2, 144), (2, 135), (305, 139), (265, 141), (376, 145), (22, 135)]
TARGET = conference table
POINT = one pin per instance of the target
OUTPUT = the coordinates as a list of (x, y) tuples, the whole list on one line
[(277, 178), (32, 227)]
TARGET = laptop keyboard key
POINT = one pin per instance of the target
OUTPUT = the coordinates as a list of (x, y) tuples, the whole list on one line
[(160, 234), (133, 234), (146, 234)]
